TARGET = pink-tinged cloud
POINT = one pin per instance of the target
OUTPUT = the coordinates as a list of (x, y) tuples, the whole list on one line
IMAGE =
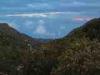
[(82, 18)]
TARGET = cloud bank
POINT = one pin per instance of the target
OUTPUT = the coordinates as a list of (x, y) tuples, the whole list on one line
[(39, 14)]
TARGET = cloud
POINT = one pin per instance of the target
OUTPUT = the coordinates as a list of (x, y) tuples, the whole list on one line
[(41, 28), (74, 3), (30, 5), (80, 3), (82, 18), (38, 5), (41, 14), (26, 15)]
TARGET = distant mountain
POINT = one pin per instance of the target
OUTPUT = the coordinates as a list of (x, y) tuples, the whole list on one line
[(78, 53)]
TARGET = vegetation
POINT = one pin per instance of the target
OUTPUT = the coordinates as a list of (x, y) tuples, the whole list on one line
[(76, 54)]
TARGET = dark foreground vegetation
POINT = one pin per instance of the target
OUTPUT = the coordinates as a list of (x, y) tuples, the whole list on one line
[(78, 53)]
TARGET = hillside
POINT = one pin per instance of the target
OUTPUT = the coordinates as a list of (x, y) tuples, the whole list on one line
[(5, 28), (78, 53), (82, 51)]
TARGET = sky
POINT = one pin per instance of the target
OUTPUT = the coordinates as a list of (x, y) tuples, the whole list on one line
[(48, 18)]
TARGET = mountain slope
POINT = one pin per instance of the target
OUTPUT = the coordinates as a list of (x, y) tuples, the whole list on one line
[(81, 55), (90, 30), (17, 35), (15, 50), (21, 54)]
